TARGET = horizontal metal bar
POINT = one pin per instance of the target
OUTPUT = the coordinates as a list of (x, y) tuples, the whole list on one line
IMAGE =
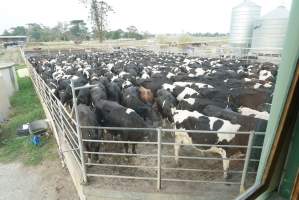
[(124, 166), (75, 154), (118, 128), (217, 132), (71, 140), (123, 177), (68, 127), (64, 151), (37, 89), (168, 143), (200, 181), (70, 135), (167, 156), (84, 87), (118, 142), (209, 145), (203, 170), (51, 94), (120, 154), (206, 158), (171, 130)]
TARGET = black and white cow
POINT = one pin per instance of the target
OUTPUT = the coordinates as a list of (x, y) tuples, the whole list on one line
[(187, 120)]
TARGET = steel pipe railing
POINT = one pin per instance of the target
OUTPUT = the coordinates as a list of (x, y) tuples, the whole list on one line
[(66, 124)]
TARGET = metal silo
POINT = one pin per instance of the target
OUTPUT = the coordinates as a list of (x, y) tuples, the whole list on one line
[(242, 21), (269, 31)]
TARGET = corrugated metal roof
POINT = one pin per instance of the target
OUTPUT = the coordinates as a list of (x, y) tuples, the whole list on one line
[(10, 36)]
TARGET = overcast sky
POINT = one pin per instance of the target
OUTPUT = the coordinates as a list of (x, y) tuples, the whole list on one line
[(155, 16)]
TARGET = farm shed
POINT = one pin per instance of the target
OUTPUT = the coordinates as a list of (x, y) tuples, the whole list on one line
[(8, 38)]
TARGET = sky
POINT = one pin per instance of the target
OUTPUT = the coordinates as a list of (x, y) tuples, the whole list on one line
[(155, 16)]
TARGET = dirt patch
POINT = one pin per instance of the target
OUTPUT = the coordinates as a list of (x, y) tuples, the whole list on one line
[(203, 190), (45, 181)]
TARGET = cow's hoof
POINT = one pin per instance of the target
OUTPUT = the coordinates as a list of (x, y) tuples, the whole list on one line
[(227, 177)]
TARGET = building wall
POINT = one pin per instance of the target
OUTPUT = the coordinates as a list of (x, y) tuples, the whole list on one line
[(4, 100), (8, 81), (8, 85)]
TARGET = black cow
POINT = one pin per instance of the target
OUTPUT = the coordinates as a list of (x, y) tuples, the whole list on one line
[(88, 118), (116, 115), (98, 92), (67, 95)]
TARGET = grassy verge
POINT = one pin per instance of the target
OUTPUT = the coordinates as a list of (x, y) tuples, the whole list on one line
[(25, 107)]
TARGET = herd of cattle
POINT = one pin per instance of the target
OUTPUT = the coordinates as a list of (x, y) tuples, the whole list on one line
[(139, 88)]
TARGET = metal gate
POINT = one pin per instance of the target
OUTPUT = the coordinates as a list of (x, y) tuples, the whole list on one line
[(70, 130)]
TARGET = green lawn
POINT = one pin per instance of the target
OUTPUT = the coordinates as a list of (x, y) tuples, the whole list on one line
[(25, 107)]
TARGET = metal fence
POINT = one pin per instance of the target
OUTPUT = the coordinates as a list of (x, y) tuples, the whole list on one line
[(249, 55), (70, 129)]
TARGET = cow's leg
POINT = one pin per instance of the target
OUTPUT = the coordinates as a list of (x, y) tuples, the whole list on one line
[(180, 138), (176, 152), (134, 148), (177, 145), (126, 145), (225, 162), (96, 156), (88, 157)]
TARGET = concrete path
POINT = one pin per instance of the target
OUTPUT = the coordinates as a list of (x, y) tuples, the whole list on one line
[(42, 182)]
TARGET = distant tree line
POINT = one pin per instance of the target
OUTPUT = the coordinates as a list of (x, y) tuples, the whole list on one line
[(75, 30), (131, 33), (208, 34)]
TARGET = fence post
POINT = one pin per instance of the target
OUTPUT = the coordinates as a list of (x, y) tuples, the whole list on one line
[(159, 159), (61, 119), (79, 133), (246, 163)]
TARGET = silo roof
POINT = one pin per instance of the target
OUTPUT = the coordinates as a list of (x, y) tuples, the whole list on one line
[(247, 4), (278, 13)]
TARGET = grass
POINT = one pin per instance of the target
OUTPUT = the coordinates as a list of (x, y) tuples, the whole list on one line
[(25, 107)]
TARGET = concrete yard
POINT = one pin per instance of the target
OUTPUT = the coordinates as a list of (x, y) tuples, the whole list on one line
[(47, 181)]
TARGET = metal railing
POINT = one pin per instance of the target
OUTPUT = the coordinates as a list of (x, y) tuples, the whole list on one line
[(159, 156), (70, 130)]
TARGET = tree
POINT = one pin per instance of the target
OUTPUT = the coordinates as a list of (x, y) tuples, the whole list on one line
[(5, 32), (18, 30), (99, 11), (133, 33), (78, 29), (132, 29), (61, 31), (35, 31), (114, 35)]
